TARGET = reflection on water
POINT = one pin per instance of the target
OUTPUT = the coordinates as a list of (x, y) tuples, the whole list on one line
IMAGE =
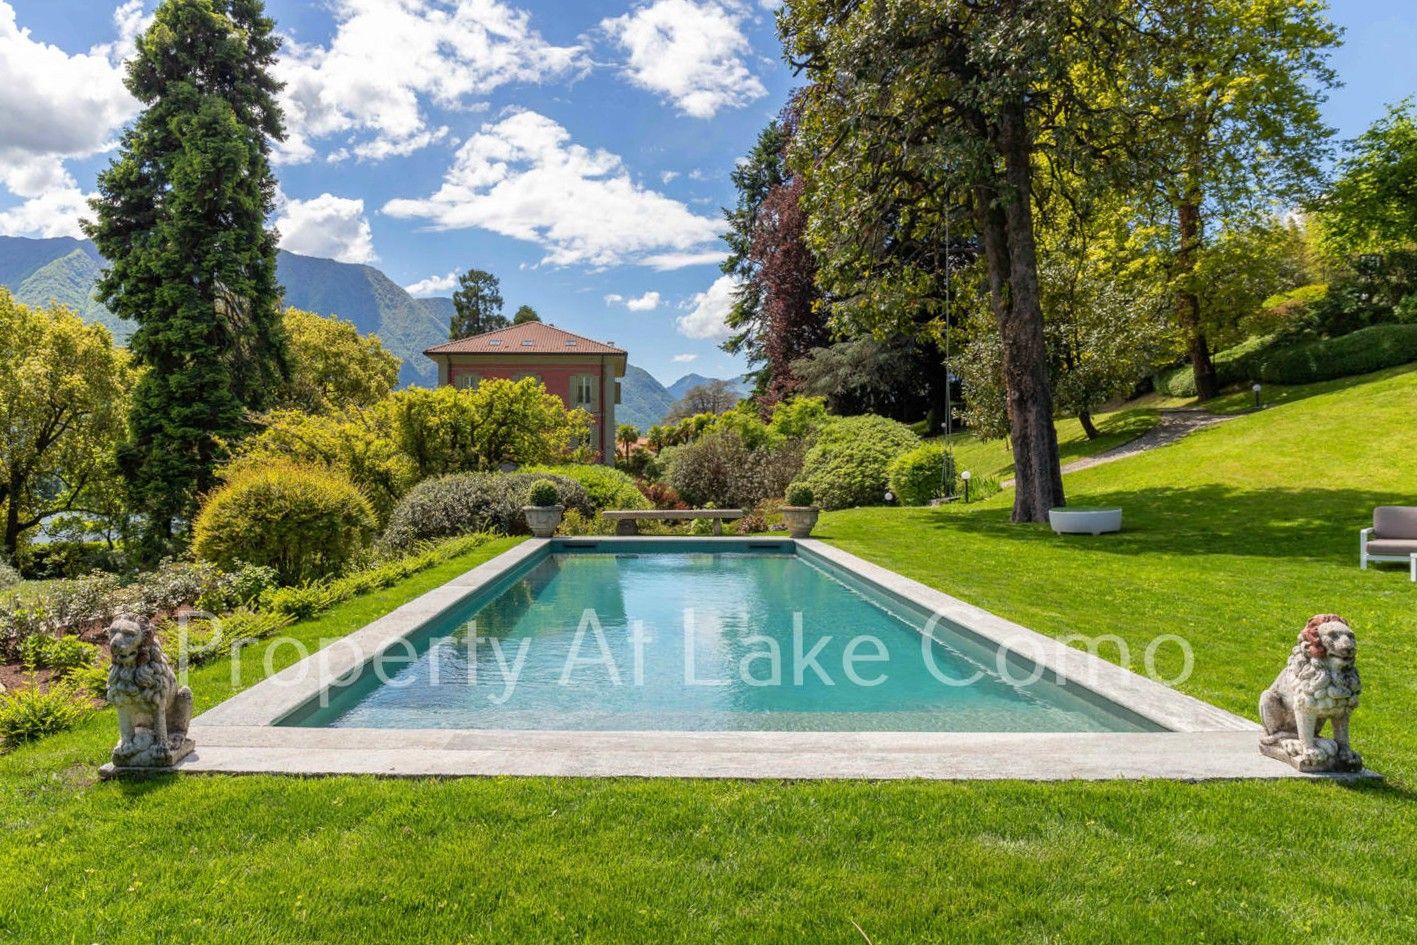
[(699, 642)]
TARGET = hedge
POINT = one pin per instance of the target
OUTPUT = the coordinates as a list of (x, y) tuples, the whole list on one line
[(605, 487), (1265, 359), (467, 503), (1360, 352)]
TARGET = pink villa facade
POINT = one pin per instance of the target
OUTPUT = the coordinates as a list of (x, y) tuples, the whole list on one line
[(581, 371)]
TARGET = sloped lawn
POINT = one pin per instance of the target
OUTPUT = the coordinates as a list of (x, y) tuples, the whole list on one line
[(1234, 537)]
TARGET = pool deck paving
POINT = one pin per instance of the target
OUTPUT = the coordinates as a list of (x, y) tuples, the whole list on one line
[(1203, 742)]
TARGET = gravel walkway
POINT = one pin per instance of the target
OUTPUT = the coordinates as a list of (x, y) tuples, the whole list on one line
[(1175, 423)]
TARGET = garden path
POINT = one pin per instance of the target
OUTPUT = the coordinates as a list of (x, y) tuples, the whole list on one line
[(1175, 423)]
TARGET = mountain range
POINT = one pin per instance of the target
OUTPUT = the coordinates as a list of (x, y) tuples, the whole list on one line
[(64, 270)]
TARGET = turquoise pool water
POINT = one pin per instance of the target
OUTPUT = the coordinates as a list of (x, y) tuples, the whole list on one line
[(697, 640)]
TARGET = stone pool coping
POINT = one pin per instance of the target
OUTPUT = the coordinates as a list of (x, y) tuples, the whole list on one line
[(1204, 742)]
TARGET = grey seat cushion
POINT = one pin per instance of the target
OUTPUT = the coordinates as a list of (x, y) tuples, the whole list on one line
[(1395, 521), (1392, 546)]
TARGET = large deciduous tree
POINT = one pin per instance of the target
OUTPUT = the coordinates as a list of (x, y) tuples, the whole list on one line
[(477, 305), (1229, 123), (333, 366), (63, 396), (180, 215), (1372, 205), (922, 108), (775, 316)]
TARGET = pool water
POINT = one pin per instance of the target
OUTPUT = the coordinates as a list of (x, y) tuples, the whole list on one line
[(697, 640)]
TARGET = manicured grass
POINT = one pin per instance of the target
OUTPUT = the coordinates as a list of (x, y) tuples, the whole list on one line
[(994, 458), (1234, 537)]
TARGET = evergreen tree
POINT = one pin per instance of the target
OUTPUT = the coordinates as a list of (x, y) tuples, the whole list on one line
[(477, 305), (181, 217), (525, 314)]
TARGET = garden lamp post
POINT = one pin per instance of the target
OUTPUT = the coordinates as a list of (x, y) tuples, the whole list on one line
[(1256, 389), (965, 477)]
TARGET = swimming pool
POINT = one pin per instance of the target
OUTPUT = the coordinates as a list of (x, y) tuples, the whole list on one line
[(698, 637), (715, 657)]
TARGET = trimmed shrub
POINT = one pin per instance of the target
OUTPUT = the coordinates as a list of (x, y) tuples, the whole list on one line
[(924, 473), (305, 522), (847, 464), (31, 714), (466, 503), (799, 494), (1267, 359), (542, 494), (605, 487), (718, 468), (1363, 351)]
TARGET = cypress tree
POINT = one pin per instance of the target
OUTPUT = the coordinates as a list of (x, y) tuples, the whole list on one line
[(180, 216)]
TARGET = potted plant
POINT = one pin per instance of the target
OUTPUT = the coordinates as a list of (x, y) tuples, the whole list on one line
[(799, 513), (543, 509)]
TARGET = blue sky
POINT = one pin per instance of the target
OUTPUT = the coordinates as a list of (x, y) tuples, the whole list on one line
[(579, 150)]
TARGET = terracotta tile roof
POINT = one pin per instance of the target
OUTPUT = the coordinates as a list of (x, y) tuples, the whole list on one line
[(526, 338)]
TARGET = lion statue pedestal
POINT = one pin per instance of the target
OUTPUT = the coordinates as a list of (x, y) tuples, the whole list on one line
[(153, 712), (1319, 683)]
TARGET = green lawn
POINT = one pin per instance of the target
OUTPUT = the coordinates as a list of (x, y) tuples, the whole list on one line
[(1234, 537), (993, 457)]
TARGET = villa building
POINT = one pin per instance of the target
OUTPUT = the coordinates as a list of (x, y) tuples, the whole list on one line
[(582, 372)]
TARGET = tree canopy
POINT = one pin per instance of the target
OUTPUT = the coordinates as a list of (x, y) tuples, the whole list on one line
[(477, 305), (333, 366), (1373, 203), (64, 392)]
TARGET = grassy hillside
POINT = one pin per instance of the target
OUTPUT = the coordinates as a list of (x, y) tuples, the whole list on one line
[(1234, 537)]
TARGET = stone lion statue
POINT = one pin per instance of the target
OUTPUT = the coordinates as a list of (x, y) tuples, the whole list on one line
[(153, 713), (1319, 683)]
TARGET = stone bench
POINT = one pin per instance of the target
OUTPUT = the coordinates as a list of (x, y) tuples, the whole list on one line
[(627, 520)]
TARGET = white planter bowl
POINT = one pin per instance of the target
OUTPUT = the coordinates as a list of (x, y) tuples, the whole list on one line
[(1085, 521)]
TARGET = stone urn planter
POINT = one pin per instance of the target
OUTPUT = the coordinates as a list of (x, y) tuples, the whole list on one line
[(799, 511), (543, 519), (543, 511), (800, 519), (1085, 520)]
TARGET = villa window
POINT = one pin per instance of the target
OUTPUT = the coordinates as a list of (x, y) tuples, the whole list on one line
[(468, 381), (583, 391)]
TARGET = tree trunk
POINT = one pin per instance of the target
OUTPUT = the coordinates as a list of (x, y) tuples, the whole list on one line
[(1188, 303), (12, 522), (1005, 223), (1085, 418)]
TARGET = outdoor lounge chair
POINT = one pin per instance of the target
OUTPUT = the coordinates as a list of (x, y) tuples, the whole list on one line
[(1393, 537)]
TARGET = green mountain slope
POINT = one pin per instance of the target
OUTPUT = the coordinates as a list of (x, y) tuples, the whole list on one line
[(643, 400), (69, 280), (64, 270), (373, 301)]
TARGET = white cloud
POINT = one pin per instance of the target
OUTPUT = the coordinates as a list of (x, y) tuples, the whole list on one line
[(433, 285), (327, 226), (690, 52), (667, 177), (645, 303), (389, 59), (684, 358), (710, 309), (665, 262), (614, 298), (54, 106), (523, 177)]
